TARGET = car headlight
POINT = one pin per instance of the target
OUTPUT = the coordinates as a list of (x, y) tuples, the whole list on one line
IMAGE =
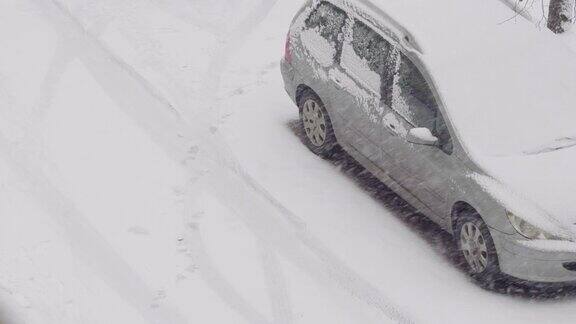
[(528, 230)]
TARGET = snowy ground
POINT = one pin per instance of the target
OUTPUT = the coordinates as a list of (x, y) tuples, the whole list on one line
[(150, 171)]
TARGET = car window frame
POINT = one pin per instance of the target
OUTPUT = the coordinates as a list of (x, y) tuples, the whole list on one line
[(438, 101)]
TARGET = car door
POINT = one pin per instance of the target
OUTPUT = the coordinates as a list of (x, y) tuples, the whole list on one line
[(361, 78), (425, 171)]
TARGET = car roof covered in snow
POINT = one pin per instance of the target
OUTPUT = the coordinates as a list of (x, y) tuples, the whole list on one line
[(507, 86)]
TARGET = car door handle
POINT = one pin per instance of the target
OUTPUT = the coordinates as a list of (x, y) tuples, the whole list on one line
[(391, 129)]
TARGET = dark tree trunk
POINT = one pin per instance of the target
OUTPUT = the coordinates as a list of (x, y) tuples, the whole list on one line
[(560, 15)]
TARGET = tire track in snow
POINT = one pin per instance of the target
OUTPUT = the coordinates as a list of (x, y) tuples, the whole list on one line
[(230, 174), (277, 286), (117, 83), (216, 280), (369, 294), (298, 245), (60, 60), (274, 278), (346, 278), (86, 243), (230, 43)]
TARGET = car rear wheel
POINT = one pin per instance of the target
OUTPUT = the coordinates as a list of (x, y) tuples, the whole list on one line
[(316, 125), (477, 248)]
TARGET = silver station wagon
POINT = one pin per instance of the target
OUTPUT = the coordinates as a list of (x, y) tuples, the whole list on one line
[(469, 118)]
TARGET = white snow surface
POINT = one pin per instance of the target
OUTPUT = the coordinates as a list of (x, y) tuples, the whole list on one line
[(149, 174)]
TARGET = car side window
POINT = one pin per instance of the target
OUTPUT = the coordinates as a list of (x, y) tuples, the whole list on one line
[(365, 56), (329, 21), (371, 47), (413, 98)]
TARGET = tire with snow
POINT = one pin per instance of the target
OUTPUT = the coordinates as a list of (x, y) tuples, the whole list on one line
[(316, 125), (477, 248)]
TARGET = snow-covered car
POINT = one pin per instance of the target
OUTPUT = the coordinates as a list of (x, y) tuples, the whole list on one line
[(469, 116)]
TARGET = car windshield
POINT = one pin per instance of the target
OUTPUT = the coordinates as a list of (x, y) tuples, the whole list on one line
[(506, 132), (502, 109)]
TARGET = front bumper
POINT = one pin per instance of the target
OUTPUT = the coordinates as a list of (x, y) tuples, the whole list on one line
[(535, 262)]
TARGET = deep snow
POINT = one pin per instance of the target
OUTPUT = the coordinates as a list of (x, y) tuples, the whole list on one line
[(151, 172)]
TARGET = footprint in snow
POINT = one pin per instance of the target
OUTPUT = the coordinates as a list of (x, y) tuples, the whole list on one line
[(137, 230)]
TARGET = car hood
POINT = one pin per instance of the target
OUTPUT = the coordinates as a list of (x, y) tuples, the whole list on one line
[(544, 178)]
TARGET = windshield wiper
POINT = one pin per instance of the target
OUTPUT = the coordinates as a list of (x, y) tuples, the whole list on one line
[(558, 144)]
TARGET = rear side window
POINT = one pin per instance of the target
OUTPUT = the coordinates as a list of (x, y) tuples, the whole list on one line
[(329, 21), (367, 58), (371, 47)]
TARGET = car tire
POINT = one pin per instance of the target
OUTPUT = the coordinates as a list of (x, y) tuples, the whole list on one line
[(477, 249), (316, 125)]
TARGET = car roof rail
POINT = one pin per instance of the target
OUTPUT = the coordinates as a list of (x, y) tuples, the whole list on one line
[(402, 34)]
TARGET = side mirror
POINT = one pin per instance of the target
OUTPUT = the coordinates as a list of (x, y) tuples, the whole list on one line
[(421, 136)]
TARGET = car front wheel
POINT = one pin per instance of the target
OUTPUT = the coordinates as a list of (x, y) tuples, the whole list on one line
[(477, 248)]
